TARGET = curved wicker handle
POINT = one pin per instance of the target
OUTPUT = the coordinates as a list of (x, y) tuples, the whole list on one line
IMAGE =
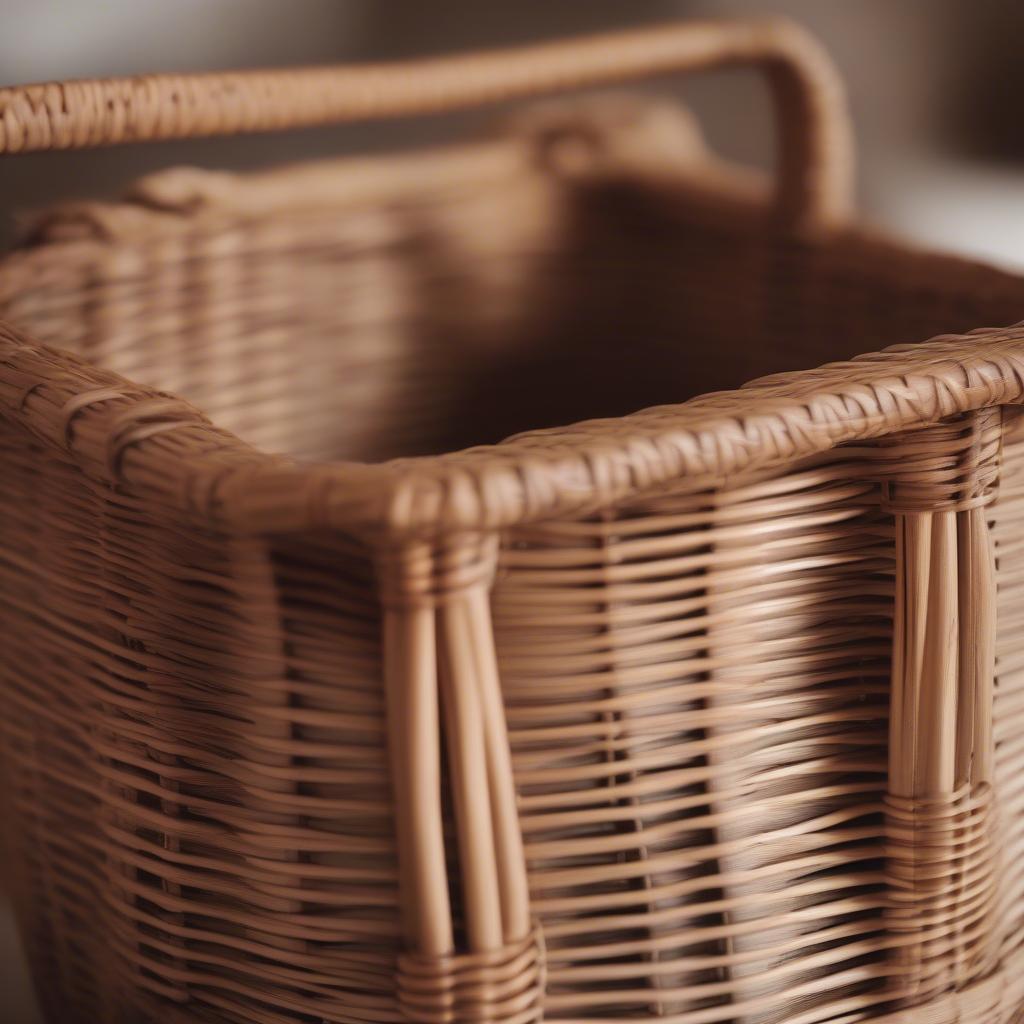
[(815, 149)]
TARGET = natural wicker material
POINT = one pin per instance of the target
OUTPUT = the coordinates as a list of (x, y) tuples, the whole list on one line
[(710, 712)]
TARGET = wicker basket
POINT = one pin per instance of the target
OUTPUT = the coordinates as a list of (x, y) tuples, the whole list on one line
[(712, 712)]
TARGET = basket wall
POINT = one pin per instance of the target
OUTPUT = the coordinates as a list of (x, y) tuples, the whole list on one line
[(196, 756)]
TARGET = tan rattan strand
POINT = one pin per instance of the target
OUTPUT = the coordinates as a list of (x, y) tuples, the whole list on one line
[(323, 702)]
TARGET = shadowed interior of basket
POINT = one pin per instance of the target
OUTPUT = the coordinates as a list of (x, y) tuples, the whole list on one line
[(461, 316)]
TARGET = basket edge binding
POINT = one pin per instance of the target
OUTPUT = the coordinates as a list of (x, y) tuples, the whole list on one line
[(166, 451)]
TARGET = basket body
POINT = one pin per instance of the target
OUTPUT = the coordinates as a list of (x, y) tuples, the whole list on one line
[(712, 713)]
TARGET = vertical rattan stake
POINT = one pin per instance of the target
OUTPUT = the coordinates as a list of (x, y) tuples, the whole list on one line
[(485, 963), (942, 825)]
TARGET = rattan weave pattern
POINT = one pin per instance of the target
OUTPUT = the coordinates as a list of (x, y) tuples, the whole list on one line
[(709, 712)]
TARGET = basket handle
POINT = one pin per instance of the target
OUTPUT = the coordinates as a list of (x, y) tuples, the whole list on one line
[(815, 148)]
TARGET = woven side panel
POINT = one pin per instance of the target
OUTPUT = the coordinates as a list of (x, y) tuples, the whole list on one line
[(198, 790), (51, 786), (1008, 535), (697, 694)]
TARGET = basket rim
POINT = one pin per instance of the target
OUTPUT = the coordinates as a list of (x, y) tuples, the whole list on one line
[(161, 448)]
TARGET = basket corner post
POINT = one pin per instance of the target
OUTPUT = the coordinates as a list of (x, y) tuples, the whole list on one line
[(941, 804), (449, 747)]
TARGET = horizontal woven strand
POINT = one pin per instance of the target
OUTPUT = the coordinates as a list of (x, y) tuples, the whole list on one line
[(505, 985)]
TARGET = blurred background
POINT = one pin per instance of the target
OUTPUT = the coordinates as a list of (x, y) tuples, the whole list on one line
[(931, 85), (942, 154)]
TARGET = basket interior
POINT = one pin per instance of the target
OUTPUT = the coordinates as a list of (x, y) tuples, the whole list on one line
[(313, 324)]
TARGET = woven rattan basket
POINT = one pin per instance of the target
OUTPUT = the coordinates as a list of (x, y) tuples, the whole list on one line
[(712, 712)]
